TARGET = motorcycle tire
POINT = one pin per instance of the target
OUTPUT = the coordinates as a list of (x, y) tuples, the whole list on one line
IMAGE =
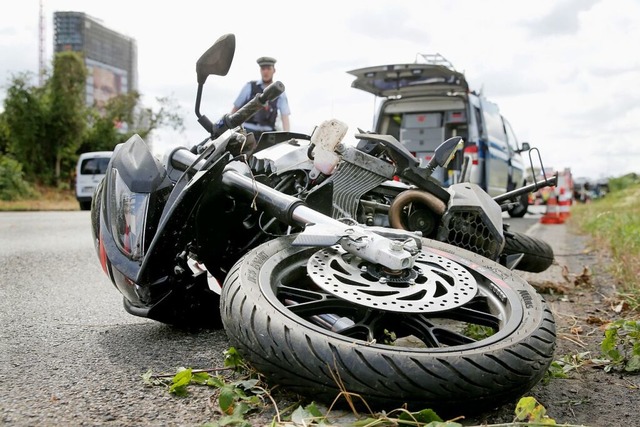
[(538, 254), (272, 309)]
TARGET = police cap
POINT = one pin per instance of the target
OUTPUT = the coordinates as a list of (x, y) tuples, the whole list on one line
[(266, 61)]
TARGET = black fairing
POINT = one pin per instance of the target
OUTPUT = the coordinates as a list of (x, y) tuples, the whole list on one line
[(96, 202), (142, 173), (138, 168), (160, 286)]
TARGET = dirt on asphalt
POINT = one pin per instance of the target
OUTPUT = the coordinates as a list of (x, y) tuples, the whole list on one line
[(582, 295)]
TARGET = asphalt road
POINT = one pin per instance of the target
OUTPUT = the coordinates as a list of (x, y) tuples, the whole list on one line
[(528, 223), (69, 353)]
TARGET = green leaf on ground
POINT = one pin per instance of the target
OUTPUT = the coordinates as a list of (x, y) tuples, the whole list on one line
[(180, 382)]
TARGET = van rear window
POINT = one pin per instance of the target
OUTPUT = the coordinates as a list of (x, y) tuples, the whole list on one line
[(96, 166)]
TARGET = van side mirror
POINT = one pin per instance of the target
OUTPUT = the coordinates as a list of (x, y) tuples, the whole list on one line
[(525, 147)]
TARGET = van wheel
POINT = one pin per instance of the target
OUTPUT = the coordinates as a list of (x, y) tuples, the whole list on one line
[(521, 209), (85, 206)]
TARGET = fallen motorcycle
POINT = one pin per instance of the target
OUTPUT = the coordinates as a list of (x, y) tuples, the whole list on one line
[(317, 304), (379, 182)]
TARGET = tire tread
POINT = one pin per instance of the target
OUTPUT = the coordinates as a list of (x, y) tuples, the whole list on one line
[(538, 254)]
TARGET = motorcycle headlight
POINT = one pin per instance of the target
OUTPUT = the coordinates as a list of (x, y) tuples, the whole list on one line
[(128, 214)]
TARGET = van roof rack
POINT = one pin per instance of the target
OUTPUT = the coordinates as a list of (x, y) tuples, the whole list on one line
[(438, 59), (434, 59)]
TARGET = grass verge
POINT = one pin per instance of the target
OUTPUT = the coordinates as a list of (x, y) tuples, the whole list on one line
[(614, 224), (47, 199)]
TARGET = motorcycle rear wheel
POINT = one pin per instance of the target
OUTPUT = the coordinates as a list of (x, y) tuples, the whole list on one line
[(440, 360), (538, 254)]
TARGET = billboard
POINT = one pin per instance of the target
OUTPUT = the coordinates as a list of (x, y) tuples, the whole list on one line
[(104, 82)]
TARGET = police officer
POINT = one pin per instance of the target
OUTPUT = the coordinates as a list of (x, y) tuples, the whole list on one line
[(265, 119)]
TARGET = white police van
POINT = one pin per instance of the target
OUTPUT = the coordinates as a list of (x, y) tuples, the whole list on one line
[(424, 104), (90, 170)]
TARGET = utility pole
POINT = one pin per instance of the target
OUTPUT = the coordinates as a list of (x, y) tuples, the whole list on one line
[(41, 58)]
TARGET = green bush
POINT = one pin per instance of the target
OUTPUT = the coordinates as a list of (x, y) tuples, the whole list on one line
[(12, 183), (622, 182)]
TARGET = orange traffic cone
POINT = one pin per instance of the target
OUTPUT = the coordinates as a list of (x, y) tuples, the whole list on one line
[(552, 215), (564, 203)]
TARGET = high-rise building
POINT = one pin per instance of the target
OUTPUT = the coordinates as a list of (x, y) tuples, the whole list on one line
[(111, 58)]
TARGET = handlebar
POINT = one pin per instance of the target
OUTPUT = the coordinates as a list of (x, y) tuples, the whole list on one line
[(547, 182), (270, 93), (229, 121)]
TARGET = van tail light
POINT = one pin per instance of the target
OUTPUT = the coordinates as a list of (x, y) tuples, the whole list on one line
[(472, 151)]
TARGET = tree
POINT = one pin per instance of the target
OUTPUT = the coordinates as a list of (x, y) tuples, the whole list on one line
[(44, 125), (66, 122), (4, 134), (12, 183), (122, 116), (45, 128), (24, 124)]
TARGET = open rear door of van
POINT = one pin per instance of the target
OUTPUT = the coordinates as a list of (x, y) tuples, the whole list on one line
[(409, 80)]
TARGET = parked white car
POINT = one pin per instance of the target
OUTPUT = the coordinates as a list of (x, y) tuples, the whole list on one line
[(90, 170)]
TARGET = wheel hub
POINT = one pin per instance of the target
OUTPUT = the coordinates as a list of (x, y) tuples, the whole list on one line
[(433, 284)]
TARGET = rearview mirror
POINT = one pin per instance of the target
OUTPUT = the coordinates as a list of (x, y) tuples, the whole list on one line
[(525, 146), (444, 154), (217, 59), (445, 151)]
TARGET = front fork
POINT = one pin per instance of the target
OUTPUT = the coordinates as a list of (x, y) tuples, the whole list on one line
[(391, 248)]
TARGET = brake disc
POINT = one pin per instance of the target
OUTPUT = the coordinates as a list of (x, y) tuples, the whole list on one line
[(433, 284)]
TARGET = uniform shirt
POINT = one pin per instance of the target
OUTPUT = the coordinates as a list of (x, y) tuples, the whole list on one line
[(282, 104)]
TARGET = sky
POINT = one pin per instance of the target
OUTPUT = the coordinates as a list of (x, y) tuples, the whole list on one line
[(565, 73)]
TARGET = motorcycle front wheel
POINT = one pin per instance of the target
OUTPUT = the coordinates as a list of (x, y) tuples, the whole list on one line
[(457, 334)]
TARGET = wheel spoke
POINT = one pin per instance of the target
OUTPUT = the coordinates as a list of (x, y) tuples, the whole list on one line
[(431, 334), (305, 303), (358, 331), (298, 294), (477, 312), (449, 337), (364, 328), (475, 317), (420, 327)]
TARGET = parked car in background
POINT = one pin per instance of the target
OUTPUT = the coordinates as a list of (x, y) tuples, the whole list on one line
[(424, 104), (90, 170), (586, 189)]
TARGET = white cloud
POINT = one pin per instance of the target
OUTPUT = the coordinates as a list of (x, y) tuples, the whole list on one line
[(561, 19), (563, 73)]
